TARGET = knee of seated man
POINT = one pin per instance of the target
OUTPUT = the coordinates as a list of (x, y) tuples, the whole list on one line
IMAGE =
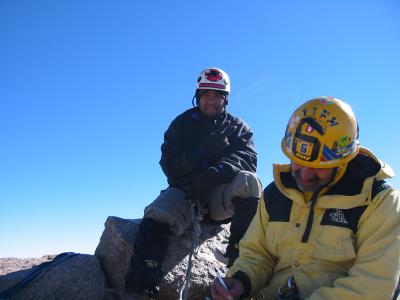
[(246, 184)]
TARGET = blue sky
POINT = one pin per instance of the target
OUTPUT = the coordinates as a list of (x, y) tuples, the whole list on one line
[(87, 89)]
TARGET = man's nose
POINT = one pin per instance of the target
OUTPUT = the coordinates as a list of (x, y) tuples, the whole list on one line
[(307, 174), (213, 99)]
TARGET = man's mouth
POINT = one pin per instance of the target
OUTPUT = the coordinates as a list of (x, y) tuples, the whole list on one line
[(305, 184)]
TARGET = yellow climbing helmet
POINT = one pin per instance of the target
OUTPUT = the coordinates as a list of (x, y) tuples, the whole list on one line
[(321, 133)]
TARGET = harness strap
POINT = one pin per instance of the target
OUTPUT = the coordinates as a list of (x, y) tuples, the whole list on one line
[(193, 248)]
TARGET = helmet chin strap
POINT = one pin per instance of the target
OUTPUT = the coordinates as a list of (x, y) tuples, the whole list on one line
[(338, 174), (332, 181)]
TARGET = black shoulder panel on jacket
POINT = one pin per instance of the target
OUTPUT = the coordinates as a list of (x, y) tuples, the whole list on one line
[(349, 218), (378, 186), (278, 205)]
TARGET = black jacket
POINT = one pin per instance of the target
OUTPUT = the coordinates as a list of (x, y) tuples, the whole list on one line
[(181, 162)]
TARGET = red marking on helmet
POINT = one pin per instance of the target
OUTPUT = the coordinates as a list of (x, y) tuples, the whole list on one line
[(213, 75), (212, 85)]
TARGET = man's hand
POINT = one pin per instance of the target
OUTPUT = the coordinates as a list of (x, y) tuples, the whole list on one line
[(216, 142), (235, 289), (204, 184)]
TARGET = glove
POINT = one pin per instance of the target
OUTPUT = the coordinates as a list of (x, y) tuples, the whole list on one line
[(204, 184), (216, 142)]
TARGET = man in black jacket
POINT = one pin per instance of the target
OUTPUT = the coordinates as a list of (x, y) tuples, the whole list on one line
[(209, 158)]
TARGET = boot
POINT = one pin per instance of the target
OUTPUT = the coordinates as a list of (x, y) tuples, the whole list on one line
[(244, 211), (151, 245)]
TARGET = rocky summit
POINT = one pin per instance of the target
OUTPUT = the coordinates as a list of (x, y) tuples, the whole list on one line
[(101, 276)]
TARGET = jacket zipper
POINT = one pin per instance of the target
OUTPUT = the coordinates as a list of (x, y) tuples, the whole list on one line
[(310, 218)]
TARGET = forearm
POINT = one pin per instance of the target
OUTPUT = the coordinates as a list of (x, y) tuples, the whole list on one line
[(176, 165), (242, 155)]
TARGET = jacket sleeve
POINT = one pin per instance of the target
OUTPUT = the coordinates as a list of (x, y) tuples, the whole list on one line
[(241, 155), (254, 263), (177, 160), (376, 270)]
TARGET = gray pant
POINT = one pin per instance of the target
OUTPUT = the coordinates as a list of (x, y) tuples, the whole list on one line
[(172, 208)]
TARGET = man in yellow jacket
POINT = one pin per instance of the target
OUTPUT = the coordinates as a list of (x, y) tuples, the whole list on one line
[(328, 227)]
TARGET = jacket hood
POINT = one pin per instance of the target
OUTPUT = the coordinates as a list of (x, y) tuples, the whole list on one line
[(366, 164)]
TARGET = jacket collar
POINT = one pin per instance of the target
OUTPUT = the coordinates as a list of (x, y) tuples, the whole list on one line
[(353, 189)]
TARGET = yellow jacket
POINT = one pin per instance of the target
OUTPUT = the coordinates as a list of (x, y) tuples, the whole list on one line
[(353, 247)]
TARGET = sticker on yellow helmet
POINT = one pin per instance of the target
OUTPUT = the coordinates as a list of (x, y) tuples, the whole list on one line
[(321, 133)]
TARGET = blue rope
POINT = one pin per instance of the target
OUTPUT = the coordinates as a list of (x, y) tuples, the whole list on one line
[(34, 273)]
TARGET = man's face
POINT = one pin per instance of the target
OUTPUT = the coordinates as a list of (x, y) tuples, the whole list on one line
[(211, 103), (310, 179)]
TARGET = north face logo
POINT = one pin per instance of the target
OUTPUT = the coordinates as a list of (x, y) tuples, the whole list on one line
[(338, 217), (347, 218)]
